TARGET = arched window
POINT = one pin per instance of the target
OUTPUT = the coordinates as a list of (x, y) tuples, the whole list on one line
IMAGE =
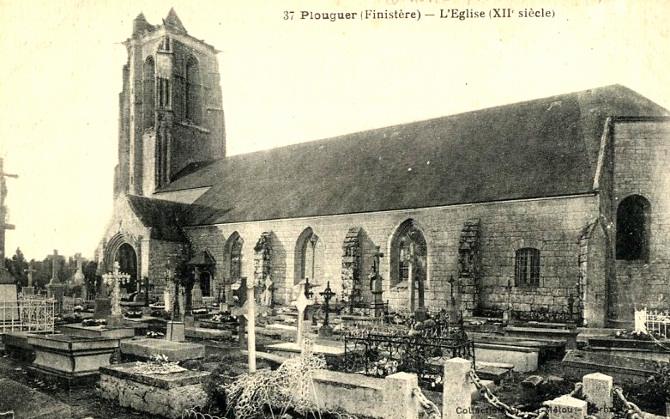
[(408, 250), (527, 267), (308, 257), (192, 94), (632, 228), (236, 259), (149, 92), (408, 262)]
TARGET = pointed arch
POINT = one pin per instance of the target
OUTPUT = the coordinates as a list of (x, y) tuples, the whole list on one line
[(149, 92), (233, 257), (192, 94), (308, 257), (408, 260), (632, 228)]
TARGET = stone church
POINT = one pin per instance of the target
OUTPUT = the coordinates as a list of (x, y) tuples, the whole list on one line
[(551, 209)]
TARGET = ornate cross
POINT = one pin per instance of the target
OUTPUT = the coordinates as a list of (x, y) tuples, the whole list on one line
[(115, 279), (30, 272), (327, 294)]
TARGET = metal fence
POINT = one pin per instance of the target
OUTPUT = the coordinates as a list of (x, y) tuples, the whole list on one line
[(27, 315), (657, 322), (381, 355)]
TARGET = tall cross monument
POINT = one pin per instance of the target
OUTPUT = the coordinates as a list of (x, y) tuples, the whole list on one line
[(5, 277)]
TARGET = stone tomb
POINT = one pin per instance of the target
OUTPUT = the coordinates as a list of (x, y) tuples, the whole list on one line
[(175, 351), (167, 395), (97, 331), (73, 359)]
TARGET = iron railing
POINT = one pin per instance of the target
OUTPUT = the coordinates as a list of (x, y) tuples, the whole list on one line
[(381, 355), (27, 315)]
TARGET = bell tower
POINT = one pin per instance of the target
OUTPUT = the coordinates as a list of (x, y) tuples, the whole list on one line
[(170, 108)]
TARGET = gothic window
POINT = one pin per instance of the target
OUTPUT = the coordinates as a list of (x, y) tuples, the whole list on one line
[(308, 257), (192, 93), (149, 92), (236, 259), (632, 228), (408, 255), (527, 267)]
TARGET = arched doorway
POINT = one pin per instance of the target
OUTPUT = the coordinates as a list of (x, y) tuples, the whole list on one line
[(205, 283), (127, 259)]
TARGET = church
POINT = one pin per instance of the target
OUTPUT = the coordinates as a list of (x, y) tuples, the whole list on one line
[(551, 209)]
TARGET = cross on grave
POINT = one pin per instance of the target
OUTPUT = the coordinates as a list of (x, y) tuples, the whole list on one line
[(301, 304), (115, 279), (376, 282), (327, 294), (30, 272), (267, 294), (5, 276)]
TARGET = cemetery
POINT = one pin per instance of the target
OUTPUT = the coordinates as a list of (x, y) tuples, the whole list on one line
[(253, 358), (495, 299)]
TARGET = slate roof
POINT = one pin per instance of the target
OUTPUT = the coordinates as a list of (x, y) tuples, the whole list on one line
[(163, 217), (539, 148)]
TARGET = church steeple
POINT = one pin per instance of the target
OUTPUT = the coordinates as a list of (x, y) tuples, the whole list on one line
[(140, 25), (173, 21), (171, 110)]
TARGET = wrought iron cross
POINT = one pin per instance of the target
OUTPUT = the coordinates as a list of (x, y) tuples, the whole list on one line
[(327, 294)]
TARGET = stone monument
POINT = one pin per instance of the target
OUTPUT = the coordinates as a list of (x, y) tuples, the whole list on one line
[(55, 288), (78, 279), (115, 279), (5, 277), (30, 289)]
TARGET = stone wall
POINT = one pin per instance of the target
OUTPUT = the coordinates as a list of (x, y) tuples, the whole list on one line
[(159, 253), (168, 395), (641, 166), (551, 225)]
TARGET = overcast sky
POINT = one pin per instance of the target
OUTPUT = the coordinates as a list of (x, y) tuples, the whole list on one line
[(287, 81)]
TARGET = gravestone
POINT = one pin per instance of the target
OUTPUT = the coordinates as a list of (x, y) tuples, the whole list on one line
[(9, 308), (78, 278), (55, 288), (30, 289)]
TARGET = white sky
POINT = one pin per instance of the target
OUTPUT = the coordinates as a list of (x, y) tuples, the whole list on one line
[(286, 81)]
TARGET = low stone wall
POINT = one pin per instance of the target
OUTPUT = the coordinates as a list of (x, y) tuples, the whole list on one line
[(354, 393), (167, 395)]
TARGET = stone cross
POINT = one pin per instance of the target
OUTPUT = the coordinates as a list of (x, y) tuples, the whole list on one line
[(376, 281), (267, 294), (251, 325), (301, 304), (54, 268), (30, 272), (3, 212)]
